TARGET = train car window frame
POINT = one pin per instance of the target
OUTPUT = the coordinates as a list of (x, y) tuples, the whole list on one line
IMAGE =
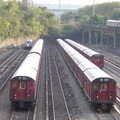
[(22, 85), (104, 87), (96, 58), (14, 84), (95, 86)]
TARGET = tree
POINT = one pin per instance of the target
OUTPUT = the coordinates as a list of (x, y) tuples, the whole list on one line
[(115, 15), (68, 30), (18, 20)]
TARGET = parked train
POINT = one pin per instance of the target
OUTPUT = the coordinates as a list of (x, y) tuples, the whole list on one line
[(94, 57), (23, 84), (113, 23), (28, 44), (98, 86)]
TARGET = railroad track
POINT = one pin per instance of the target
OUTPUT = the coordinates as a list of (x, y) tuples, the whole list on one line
[(7, 55), (50, 115), (17, 114), (114, 71), (9, 65), (105, 116), (57, 106)]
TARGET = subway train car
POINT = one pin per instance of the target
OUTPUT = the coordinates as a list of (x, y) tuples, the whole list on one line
[(23, 84), (113, 23), (99, 87), (28, 44), (95, 57)]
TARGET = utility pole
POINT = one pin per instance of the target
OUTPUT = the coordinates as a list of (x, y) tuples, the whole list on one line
[(93, 7), (59, 12), (1, 1)]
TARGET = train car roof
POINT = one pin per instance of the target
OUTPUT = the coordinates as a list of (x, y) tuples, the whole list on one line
[(91, 53), (95, 74), (86, 50), (113, 21), (77, 45), (87, 65), (66, 47), (76, 56), (29, 67), (22, 73), (70, 51), (37, 47)]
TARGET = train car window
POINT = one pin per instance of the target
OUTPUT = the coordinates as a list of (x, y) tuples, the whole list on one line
[(24, 78), (106, 79), (95, 87), (22, 85), (96, 59), (19, 78), (112, 81), (14, 84), (103, 86)]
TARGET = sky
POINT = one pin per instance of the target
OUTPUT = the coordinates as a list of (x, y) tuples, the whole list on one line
[(73, 2)]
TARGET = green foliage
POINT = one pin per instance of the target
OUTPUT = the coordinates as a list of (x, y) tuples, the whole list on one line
[(115, 15), (68, 30), (48, 21), (104, 11), (65, 17), (18, 20), (95, 20)]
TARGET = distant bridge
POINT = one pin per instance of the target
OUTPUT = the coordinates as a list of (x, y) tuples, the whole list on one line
[(59, 9), (93, 33)]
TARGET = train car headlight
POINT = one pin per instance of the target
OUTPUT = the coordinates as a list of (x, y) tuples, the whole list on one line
[(15, 95)]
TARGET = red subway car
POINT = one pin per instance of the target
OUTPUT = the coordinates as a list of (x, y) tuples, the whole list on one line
[(98, 86), (23, 84), (94, 57)]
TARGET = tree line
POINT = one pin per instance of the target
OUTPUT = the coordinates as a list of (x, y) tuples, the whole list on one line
[(18, 20), (104, 11), (84, 16)]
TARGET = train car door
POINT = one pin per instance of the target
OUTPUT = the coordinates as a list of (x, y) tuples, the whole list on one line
[(13, 89), (112, 91), (95, 87), (101, 61), (103, 93), (96, 60), (22, 91)]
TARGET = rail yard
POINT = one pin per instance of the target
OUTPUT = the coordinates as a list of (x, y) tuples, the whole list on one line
[(59, 94)]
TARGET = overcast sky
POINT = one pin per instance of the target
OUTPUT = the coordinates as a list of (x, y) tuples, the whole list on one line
[(73, 2)]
